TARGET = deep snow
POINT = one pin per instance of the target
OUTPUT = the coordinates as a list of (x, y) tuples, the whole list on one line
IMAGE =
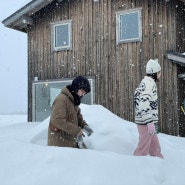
[(25, 158)]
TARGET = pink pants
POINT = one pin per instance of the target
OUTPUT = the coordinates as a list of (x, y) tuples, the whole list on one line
[(148, 144)]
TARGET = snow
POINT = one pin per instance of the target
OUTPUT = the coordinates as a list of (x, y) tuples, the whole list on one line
[(27, 160)]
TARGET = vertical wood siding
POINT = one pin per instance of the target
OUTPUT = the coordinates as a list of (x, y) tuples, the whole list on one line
[(118, 69)]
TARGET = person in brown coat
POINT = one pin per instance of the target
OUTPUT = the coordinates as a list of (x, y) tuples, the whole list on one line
[(66, 121)]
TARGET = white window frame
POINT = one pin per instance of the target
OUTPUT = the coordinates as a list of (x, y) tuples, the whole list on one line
[(118, 26), (53, 35)]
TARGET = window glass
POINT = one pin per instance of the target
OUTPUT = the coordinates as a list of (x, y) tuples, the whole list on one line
[(62, 35), (44, 94), (129, 26)]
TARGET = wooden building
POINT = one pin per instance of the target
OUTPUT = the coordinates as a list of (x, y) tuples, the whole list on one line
[(110, 42)]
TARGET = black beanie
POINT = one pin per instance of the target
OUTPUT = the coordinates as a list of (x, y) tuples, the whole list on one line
[(81, 82)]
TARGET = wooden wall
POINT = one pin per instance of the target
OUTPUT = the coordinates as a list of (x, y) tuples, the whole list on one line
[(118, 69)]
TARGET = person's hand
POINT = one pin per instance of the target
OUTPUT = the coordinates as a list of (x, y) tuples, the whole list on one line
[(80, 133), (87, 130), (79, 140), (151, 128)]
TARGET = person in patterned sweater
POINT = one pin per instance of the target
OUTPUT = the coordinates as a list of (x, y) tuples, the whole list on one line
[(146, 111)]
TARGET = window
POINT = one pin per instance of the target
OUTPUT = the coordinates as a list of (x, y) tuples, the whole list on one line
[(61, 36), (45, 92), (128, 26)]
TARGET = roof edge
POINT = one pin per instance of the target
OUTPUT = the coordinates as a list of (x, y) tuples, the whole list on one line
[(176, 57), (28, 10)]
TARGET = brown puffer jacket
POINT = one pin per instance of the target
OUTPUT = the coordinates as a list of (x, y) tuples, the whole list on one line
[(66, 121)]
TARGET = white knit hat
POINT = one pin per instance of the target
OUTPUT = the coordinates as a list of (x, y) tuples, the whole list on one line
[(152, 66)]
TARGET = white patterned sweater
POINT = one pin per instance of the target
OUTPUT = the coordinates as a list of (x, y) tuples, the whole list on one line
[(146, 102)]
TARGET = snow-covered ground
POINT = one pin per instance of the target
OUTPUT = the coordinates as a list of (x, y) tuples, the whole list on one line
[(25, 158)]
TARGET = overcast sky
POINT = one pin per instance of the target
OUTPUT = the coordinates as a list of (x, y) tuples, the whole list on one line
[(13, 63)]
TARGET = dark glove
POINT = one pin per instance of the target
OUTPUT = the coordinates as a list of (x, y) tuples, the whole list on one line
[(79, 141), (87, 130)]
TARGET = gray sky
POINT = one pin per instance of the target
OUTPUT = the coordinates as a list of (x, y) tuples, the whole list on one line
[(13, 63)]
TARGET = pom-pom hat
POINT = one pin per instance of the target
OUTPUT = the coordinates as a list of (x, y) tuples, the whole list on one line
[(153, 66)]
